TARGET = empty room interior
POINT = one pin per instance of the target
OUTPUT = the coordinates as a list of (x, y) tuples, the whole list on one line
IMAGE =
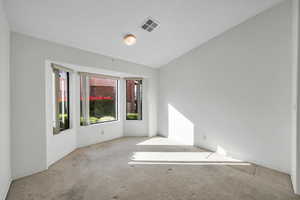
[(149, 100)]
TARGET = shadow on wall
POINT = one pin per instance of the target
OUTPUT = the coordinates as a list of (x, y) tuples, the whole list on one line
[(180, 128)]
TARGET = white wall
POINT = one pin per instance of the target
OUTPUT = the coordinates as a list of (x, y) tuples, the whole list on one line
[(30, 143), (234, 92), (295, 139), (5, 169)]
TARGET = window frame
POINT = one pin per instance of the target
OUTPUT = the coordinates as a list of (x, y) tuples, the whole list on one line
[(141, 99), (56, 82), (86, 87)]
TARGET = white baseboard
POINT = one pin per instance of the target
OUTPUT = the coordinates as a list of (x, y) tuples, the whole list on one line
[(245, 158), (29, 173)]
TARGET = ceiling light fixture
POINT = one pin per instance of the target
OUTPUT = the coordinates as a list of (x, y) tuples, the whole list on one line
[(129, 39)]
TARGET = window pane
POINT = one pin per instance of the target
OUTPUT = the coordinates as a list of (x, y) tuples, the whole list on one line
[(134, 99), (62, 114), (102, 100)]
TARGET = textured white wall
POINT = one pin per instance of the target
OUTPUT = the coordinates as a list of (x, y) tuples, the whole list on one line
[(295, 139), (234, 92), (29, 139), (5, 169)]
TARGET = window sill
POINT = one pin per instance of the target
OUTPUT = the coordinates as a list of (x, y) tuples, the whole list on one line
[(100, 123), (67, 131)]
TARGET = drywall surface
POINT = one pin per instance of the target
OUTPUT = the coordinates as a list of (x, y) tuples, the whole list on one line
[(233, 94), (28, 57), (99, 132), (295, 139), (5, 167)]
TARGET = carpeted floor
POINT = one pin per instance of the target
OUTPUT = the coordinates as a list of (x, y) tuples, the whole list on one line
[(134, 168)]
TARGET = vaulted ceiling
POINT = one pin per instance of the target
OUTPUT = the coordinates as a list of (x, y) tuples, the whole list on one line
[(99, 25)]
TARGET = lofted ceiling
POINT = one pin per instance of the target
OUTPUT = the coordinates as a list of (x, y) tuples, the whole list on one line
[(99, 25)]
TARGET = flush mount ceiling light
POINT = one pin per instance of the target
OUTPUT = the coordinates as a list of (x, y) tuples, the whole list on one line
[(129, 39)]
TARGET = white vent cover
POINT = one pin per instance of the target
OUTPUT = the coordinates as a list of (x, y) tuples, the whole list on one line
[(150, 24)]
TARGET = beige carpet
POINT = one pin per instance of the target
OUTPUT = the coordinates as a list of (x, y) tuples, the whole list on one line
[(151, 169)]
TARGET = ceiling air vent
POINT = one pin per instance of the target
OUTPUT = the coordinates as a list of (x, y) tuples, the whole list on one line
[(150, 24)]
